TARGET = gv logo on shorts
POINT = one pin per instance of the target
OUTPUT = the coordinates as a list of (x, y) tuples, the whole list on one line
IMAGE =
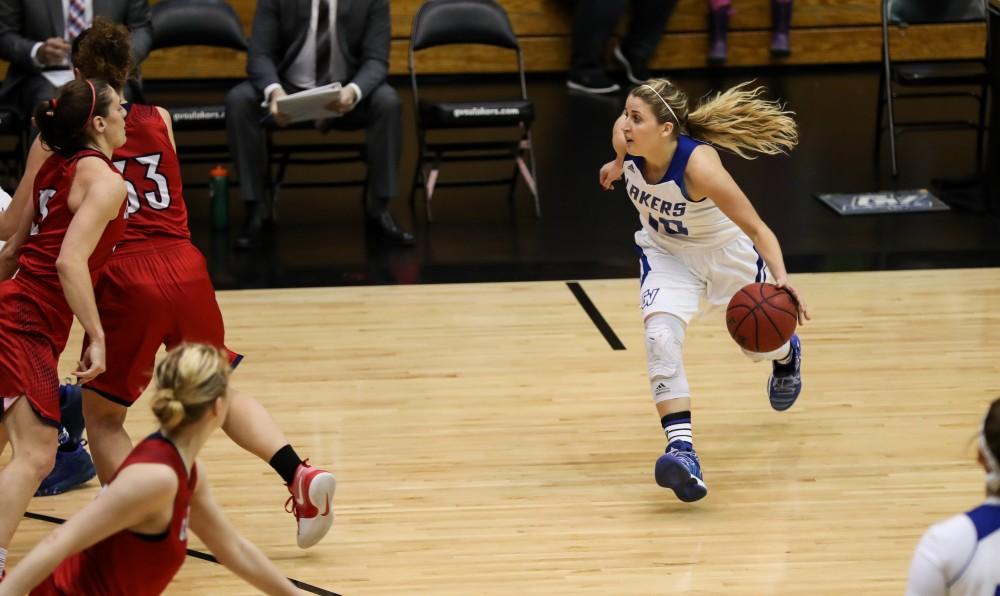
[(648, 297)]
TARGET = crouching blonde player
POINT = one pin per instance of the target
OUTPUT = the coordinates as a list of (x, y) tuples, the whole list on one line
[(132, 539)]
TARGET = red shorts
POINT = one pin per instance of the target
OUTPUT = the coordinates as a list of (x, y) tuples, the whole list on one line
[(34, 327), (151, 297)]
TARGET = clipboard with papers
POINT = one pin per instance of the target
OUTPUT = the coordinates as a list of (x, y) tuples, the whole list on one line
[(310, 104)]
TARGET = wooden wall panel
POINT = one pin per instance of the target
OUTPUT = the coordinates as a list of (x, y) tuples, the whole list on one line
[(825, 32)]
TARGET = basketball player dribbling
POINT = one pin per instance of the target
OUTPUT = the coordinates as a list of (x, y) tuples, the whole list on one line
[(156, 290), (701, 240), (132, 538), (77, 215)]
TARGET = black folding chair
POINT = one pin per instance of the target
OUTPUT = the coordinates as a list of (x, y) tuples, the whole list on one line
[(479, 22), (212, 23), (930, 74)]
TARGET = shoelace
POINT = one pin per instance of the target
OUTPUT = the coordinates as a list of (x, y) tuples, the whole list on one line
[(290, 505), (784, 383), (688, 457)]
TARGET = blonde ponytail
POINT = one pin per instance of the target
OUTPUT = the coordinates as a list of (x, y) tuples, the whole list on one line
[(737, 119), (189, 380)]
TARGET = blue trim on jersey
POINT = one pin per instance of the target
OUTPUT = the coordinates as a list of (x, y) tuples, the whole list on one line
[(986, 518), (678, 163), (644, 263)]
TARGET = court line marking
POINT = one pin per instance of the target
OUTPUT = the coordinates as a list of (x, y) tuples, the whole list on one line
[(595, 316), (191, 553)]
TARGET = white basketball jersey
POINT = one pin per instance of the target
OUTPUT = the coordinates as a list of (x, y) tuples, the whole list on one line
[(674, 221), (960, 556), (5, 201)]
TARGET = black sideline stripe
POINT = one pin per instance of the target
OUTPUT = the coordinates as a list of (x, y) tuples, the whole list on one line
[(191, 553), (595, 316)]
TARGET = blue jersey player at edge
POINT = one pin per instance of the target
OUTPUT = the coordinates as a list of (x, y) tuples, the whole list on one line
[(701, 240)]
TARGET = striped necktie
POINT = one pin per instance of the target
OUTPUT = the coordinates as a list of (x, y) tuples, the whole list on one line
[(76, 18)]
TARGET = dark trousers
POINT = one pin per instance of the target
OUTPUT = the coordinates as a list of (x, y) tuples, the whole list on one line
[(595, 20), (379, 113)]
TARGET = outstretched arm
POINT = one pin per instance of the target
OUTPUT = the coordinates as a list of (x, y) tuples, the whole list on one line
[(140, 491), (705, 176), (232, 550)]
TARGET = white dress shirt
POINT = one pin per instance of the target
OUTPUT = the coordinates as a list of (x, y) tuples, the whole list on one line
[(88, 6), (302, 71)]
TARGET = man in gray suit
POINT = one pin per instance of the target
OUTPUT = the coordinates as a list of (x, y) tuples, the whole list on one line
[(35, 36), (302, 44)]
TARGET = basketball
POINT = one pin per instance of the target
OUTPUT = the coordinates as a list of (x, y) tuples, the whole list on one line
[(761, 317)]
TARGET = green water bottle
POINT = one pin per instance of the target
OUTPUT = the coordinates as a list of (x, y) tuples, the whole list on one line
[(219, 191)]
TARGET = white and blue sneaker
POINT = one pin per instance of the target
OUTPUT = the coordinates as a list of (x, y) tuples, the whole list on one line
[(679, 470), (785, 383)]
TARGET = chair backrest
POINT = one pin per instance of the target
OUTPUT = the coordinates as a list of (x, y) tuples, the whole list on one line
[(444, 22), (916, 12), (197, 22)]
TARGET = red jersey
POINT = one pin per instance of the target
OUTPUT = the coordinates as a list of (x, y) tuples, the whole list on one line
[(126, 563), (148, 161), (37, 260)]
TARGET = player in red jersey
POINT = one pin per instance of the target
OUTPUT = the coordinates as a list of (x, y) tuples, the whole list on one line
[(132, 539), (156, 290), (76, 219)]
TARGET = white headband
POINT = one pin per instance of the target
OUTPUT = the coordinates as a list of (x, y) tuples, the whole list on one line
[(992, 466), (676, 119)]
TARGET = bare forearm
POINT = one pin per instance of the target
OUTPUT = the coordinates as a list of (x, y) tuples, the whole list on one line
[(245, 560), (36, 565), (79, 291)]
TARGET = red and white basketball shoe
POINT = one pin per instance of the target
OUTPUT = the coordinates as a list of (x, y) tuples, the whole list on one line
[(311, 503)]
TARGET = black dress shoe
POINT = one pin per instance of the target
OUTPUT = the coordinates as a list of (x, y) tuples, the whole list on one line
[(386, 228), (249, 233), (252, 231), (257, 220)]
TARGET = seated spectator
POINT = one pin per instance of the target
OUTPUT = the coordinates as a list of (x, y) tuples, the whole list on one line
[(593, 23), (961, 555), (36, 41), (292, 50), (719, 13)]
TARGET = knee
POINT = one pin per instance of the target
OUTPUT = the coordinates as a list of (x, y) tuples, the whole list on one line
[(385, 100), (39, 457), (242, 98), (664, 345), (102, 418), (664, 350)]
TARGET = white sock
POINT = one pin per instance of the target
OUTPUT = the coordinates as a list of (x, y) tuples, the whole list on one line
[(677, 427), (788, 357)]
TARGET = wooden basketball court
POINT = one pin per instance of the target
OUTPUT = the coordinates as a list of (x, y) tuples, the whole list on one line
[(488, 440)]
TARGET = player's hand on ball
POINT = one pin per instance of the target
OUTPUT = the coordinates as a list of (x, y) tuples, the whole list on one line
[(610, 173), (803, 309)]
